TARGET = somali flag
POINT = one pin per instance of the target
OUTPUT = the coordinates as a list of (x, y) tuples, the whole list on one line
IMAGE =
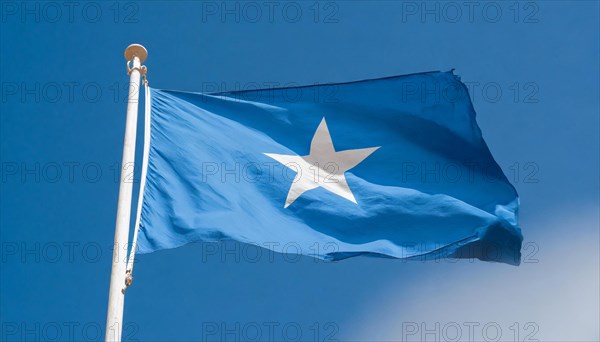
[(393, 167)]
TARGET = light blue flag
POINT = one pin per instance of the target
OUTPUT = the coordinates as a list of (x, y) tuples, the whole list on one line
[(393, 167)]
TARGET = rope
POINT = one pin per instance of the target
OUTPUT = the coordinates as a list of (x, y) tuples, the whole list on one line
[(147, 105)]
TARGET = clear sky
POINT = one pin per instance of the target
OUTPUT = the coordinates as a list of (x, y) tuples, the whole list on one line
[(533, 71)]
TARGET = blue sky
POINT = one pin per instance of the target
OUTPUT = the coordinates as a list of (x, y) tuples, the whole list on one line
[(533, 71)]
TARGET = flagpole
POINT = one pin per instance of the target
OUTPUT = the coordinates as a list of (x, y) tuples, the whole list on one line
[(135, 54)]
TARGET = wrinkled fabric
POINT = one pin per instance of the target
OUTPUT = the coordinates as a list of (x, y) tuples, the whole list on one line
[(431, 190)]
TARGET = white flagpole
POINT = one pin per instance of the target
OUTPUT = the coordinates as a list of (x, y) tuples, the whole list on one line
[(134, 54)]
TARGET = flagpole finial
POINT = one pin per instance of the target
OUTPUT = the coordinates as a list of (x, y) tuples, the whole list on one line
[(136, 50)]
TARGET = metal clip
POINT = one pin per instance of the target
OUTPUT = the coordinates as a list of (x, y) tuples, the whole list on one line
[(142, 69), (128, 281)]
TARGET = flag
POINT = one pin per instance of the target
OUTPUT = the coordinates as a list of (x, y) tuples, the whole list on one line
[(392, 167)]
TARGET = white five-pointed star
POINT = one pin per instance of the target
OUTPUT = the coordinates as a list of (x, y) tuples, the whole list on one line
[(323, 167)]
